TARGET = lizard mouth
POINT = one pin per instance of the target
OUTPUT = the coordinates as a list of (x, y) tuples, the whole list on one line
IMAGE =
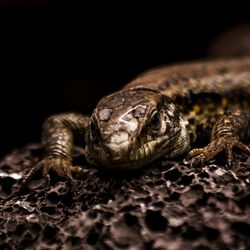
[(136, 157)]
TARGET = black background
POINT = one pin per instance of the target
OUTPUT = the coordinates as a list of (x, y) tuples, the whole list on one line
[(62, 57)]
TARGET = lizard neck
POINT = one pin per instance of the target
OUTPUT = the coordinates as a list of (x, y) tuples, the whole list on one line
[(183, 142)]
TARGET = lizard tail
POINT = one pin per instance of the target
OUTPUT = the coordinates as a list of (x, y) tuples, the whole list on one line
[(234, 42)]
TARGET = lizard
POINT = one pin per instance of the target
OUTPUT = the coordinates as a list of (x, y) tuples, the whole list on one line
[(162, 113)]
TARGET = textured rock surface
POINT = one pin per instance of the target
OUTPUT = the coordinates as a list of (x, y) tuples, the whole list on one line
[(166, 206)]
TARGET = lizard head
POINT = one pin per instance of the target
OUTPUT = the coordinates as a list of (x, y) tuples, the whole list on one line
[(131, 128)]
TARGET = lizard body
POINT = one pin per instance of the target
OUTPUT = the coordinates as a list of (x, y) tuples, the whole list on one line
[(161, 113)]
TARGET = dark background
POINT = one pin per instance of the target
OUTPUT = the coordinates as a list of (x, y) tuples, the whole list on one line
[(61, 57)]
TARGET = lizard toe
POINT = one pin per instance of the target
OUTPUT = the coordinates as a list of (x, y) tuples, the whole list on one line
[(29, 175), (59, 165), (199, 156)]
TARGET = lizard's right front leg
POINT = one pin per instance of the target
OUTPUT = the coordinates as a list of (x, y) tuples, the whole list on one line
[(57, 140)]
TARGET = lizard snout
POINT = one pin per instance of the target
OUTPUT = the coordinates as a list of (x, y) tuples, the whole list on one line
[(119, 137), (119, 144)]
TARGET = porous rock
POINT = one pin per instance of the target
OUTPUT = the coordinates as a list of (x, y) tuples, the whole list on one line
[(168, 205)]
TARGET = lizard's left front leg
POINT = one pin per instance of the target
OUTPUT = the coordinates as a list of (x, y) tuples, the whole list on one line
[(227, 134)]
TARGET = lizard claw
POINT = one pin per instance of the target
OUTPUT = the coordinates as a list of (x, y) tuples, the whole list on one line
[(199, 156), (60, 165)]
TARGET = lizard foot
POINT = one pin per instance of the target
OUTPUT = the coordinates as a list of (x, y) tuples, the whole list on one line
[(59, 165), (199, 156)]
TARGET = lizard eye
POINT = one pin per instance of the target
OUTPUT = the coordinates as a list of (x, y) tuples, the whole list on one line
[(155, 122)]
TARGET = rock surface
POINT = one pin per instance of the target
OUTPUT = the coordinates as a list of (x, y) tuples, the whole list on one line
[(168, 205)]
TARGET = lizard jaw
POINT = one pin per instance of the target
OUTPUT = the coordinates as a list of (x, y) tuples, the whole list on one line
[(122, 156)]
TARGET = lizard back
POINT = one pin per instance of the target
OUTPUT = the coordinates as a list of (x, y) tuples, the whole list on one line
[(229, 79)]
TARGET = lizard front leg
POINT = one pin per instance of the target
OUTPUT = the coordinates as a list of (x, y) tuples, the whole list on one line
[(227, 134), (59, 132)]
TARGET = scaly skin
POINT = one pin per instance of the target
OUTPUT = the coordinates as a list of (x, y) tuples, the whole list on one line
[(163, 113)]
